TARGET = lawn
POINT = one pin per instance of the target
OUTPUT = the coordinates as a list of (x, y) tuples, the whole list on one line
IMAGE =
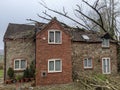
[(1, 73)]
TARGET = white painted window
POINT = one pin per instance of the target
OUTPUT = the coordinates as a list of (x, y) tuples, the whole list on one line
[(20, 64), (54, 65), (106, 67), (105, 42), (87, 63), (54, 37)]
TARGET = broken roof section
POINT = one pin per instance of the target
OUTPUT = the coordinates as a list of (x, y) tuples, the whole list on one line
[(17, 31)]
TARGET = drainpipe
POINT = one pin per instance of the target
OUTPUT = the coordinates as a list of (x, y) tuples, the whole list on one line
[(35, 50), (4, 61)]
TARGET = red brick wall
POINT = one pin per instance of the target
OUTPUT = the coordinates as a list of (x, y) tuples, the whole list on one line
[(45, 51)]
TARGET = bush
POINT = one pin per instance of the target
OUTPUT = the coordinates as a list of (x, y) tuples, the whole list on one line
[(10, 73), (26, 73), (32, 69), (18, 77)]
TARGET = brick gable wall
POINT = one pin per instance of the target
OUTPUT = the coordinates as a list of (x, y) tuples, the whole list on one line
[(45, 51)]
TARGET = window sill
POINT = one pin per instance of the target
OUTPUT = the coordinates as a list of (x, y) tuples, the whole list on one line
[(20, 70), (106, 73), (54, 71), (88, 68), (105, 47), (54, 43)]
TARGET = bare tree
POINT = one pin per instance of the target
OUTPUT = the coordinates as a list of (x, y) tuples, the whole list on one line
[(105, 14)]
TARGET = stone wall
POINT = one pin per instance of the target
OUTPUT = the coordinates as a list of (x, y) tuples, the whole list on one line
[(95, 51), (19, 49)]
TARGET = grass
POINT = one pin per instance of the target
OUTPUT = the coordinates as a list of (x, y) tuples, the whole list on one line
[(1, 73)]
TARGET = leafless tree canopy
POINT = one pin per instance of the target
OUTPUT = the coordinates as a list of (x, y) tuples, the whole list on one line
[(103, 17)]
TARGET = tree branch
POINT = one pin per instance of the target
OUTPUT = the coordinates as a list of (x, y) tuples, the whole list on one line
[(97, 13), (65, 15), (90, 19), (45, 12)]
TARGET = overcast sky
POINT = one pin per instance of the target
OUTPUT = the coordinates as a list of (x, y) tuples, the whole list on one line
[(17, 11)]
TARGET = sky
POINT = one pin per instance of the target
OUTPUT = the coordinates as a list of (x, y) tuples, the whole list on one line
[(17, 11)]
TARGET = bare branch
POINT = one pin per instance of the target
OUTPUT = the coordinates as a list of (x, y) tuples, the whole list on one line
[(84, 20), (101, 7), (90, 19), (43, 17), (45, 12), (96, 3), (64, 11), (63, 15), (32, 20), (102, 25)]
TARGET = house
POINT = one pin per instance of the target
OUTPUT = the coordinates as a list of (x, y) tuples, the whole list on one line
[(19, 47), (60, 51)]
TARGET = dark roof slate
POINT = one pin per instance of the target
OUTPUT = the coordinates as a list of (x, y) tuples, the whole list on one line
[(15, 31)]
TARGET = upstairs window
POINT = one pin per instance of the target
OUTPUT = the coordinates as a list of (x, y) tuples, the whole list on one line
[(105, 42), (54, 37), (20, 64), (87, 63)]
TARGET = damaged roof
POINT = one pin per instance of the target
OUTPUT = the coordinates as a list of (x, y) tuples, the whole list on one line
[(15, 31)]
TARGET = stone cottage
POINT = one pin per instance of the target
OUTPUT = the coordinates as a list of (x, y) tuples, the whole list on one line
[(19, 47), (59, 51)]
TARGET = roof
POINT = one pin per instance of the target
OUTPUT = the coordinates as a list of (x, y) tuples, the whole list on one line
[(77, 35), (15, 31)]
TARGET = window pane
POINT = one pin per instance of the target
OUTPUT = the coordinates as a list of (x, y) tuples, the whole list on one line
[(57, 65), (104, 66), (16, 64), (51, 36), (105, 42), (89, 63), (85, 62), (57, 37), (51, 65), (108, 64), (23, 64)]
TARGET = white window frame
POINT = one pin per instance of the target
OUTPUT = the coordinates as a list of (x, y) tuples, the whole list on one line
[(108, 41), (107, 58), (19, 64), (54, 65), (54, 37), (87, 67)]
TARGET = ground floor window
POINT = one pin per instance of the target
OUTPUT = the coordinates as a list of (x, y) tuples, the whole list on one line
[(54, 65), (87, 63), (20, 64), (106, 66)]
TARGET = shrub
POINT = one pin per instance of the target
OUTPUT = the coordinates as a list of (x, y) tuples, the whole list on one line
[(26, 73), (32, 69), (19, 77), (10, 73)]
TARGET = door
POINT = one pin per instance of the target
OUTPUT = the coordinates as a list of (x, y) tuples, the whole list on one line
[(106, 69)]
